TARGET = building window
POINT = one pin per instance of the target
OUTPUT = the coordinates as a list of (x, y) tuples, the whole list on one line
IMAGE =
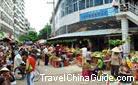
[(87, 3), (91, 3), (70, 8), (66, 10), (98, 2), (108, 1), (75, 7), (82, 4), (62, 9)]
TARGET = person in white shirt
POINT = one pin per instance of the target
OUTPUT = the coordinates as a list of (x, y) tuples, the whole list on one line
[(38, 56), (88, 56), (84, 51), (17, 60), (45, 51)]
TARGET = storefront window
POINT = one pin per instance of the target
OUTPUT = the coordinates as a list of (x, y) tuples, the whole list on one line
[(98, 2), (82, 4)]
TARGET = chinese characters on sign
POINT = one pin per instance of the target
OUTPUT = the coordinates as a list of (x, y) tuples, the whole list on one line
[(96, 14)]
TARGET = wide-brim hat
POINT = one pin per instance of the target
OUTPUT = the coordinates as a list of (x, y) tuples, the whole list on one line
[(97, 56), (57, 45), (4, 69), (116, 49)]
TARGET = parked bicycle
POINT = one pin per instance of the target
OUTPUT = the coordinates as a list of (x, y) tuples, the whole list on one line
[(20, 73)]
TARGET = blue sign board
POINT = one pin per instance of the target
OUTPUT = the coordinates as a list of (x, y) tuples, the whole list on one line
[(96, 14)]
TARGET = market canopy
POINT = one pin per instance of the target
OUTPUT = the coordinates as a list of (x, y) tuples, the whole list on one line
[(88, 33)]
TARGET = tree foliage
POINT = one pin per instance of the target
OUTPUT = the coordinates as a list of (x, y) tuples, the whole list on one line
[(33, 36), (116, 42), (1, 35), (45, 32), (30, 36)]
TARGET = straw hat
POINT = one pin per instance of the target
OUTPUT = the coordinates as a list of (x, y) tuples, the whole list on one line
[(98, 56), (57, 45), (4, 69), (116, 49)]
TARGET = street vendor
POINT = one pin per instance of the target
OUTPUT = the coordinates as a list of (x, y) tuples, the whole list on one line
[(99, 65), (88, 56), (58, 50), (63, 58), (115, 61)]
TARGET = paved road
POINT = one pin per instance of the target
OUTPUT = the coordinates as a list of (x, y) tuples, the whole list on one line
[(50, 71), (61, 72)]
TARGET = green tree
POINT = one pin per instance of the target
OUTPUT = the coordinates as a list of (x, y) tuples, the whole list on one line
[(1, 35), (23, 38), (45, 32), (116, 42), (30, 36)]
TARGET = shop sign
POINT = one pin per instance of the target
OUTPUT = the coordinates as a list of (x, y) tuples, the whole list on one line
[(97, 14)]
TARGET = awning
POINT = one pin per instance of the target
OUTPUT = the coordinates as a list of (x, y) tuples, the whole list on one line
[(88, 33)]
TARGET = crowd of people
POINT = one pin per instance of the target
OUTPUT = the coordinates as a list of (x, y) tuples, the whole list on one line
[(6, 64), (13, 56), (120, 65)]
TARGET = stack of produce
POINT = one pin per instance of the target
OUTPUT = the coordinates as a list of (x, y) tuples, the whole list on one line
[(106, 54), (134, 64), (53, 61)]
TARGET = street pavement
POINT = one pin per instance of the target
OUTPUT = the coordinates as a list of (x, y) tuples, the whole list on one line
[(72, 70), (51, 71)]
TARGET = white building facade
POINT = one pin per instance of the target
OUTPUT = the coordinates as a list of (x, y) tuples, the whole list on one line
[(6, 16), (97, 20), (12, 17), (27, 25), (19, 17)]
